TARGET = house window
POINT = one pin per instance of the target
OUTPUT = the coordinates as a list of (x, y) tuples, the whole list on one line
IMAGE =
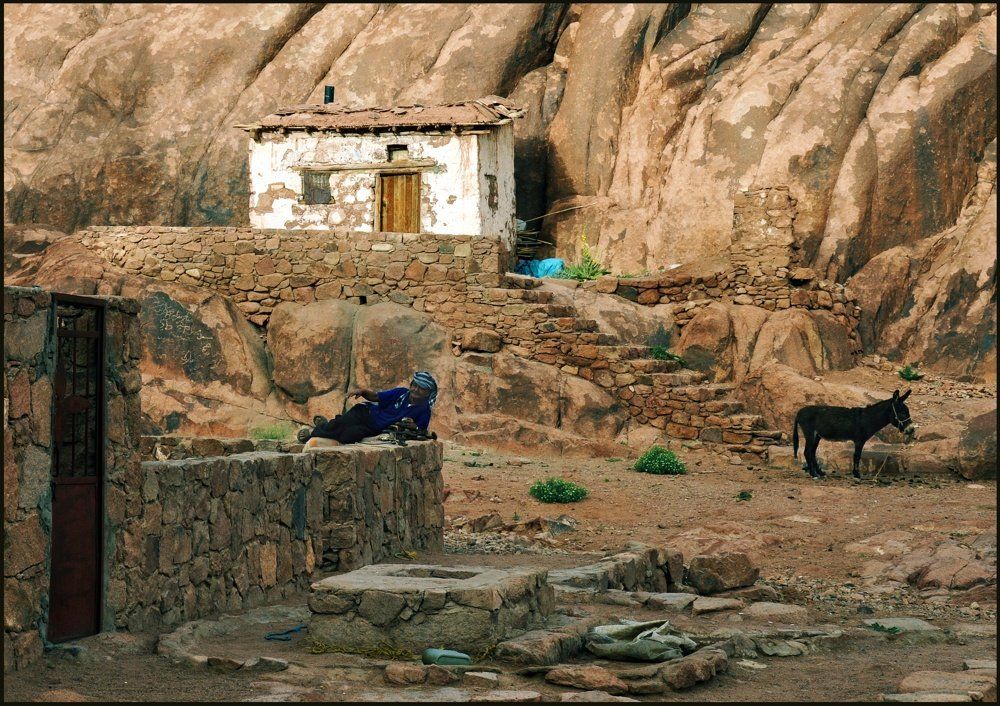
[(398, 153), (316, 187)]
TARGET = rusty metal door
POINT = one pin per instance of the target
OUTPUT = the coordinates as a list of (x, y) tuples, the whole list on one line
[(399, 204), (77, 469)]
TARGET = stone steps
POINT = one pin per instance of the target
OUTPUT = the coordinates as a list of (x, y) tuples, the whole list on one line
[(511, 280), (646, 366), (526, 295), (678, 379)]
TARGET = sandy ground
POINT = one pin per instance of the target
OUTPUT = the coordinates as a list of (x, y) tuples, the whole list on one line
[(812, 520), (793, 527)]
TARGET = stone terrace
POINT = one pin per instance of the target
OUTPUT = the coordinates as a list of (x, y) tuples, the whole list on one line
[(459, 282)]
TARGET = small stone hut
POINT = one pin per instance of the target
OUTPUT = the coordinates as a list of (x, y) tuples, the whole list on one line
[(439, 169)]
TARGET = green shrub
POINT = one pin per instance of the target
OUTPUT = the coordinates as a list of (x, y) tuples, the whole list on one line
[(557, 490), (661, 353), (910, 372), (276, 432), (587, 269), (660, 461), (744, 495)]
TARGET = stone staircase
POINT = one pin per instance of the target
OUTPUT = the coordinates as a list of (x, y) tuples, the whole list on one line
[(655, 392)]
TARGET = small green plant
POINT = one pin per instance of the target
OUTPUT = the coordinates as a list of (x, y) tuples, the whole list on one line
[(633, 275), (660, 461), (661, 353), (557, 490), (613, 459), (910, 372), (516, 517), (587, 269), (743, 495), (274, 432)]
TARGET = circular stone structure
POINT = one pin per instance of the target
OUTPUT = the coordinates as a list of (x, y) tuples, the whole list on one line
[(410, 607)]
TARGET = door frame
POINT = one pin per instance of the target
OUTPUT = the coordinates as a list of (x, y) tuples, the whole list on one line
[(101, 306)]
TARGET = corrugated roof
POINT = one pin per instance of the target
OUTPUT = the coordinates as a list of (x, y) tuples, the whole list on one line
[(478, 113)]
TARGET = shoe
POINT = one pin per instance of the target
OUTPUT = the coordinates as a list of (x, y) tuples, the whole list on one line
[(303, 435), (319, 419)]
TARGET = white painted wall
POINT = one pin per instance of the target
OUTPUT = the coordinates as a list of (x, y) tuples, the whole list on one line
[(497, 202), (452, 197)]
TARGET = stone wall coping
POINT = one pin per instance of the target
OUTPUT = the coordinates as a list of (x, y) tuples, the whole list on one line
[(347, 450), (383, 577)]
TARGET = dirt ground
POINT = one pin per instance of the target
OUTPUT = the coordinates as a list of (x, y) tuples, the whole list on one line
[(813, 520), (795, 528)]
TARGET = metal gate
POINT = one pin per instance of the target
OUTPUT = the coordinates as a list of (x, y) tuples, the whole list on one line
[(77, 469)]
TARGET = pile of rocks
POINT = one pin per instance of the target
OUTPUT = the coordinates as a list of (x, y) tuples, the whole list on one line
[(978, 682)]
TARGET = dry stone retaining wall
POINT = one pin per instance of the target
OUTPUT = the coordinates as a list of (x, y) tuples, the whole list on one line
[(260, 268), (235, 532)]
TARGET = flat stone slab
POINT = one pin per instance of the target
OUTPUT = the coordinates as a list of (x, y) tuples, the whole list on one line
[(670, 601), (712, 605), (925, 697), (974, 629), (979, 664), (903, 625), (777, 612), (979, 686), (507, 696), (411, 607)]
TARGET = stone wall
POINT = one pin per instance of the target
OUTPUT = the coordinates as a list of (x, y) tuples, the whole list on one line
[(27, 439), (760, 269), (762, 229), (204, 535), (260, 268), (28, 397)]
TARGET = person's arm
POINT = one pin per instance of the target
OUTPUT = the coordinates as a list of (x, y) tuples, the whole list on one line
[(423, 419), (369, 395)]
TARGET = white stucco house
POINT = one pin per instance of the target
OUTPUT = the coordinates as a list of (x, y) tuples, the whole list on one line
[(441, 169)]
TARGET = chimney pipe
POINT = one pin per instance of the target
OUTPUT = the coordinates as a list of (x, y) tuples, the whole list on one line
[(327, 94)]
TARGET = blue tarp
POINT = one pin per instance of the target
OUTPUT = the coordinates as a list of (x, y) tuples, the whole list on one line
[(539, 268)]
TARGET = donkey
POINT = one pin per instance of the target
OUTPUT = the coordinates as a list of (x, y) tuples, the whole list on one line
[(857, 424)]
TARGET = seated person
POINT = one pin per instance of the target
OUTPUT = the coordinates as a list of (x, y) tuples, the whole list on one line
[(400, 405)]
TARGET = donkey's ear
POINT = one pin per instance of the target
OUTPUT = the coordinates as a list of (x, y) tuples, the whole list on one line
[(895, 395), (905, 395)]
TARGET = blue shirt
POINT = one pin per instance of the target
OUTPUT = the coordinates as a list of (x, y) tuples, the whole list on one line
[(394, 405)]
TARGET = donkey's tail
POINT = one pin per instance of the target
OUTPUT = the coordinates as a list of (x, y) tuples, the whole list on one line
[(795, 437)]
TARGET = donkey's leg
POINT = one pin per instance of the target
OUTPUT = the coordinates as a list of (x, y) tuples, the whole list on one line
[(858, 448), (812, 442)]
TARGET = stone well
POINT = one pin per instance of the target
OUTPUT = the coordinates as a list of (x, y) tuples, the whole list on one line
[(412, 607)]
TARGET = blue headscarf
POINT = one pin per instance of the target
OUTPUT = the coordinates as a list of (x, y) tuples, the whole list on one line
[(425, 380)]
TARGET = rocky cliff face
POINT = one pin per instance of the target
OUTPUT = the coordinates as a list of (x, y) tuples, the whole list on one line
[(649, 116)]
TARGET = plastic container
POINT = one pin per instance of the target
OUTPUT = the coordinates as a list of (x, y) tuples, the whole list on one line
[(436, 656)]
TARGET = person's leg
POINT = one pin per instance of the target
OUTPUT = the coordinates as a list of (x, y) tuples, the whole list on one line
[(355, 425)]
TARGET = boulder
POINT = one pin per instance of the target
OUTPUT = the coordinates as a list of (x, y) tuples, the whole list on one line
[(590, 677), (311, 347), (977, 449), (480, 340), (204, 368), (715, 573), (404, 673)]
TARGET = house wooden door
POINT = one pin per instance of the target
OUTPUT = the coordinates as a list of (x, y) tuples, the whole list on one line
[(77, 469), (399, 207)]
